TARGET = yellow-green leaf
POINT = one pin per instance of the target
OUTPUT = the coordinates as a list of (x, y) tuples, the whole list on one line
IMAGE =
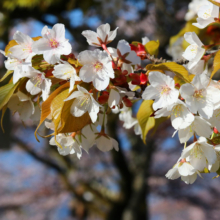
[(56, 107), (69, 123), (6, 92), (45, 109), (216, 64), (2, 117), (143, 116), (214, 2), (158, 122), (9, 72), (179, 70), (152, 47)]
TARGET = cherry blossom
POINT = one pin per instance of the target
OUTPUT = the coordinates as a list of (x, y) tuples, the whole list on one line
[(38, 83), (200, 96), (207, 15), (184, 170), (103, 36), (194, 52), (181, 117), (199, 126), (106, 143), (22, 104), (68, 143), (162, 89), (97, 68), (66, 72), (24, 48), (198, 152), (52, 44), (83, 102)]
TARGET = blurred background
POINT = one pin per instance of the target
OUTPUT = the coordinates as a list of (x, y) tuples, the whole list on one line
[(36, 183)]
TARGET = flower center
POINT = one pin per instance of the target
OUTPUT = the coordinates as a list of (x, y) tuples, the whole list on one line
[(38, 80), (54, 43), (85, 99), (28, 49), (97, 66), (207, 13), (198, 94), (165, 90), (193, 48), (196, 152), (177, 110)]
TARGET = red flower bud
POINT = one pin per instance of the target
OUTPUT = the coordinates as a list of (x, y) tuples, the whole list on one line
[(216, 131), (113, 65), (135, 79), (143, 79), (103, 98), (49, 72), (140, 50), (127, 102)]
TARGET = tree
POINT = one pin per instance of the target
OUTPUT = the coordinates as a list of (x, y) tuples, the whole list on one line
[(133, 167)]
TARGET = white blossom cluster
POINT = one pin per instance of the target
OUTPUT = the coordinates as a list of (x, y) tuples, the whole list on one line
[(194, 108), (96, 72), (103, 80)]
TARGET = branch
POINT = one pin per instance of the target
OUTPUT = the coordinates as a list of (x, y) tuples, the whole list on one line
[(36, 156)]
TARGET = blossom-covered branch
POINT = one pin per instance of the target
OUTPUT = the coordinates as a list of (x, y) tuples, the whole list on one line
[(73, 96)]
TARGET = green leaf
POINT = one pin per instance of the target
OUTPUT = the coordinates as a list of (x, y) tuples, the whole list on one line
[(215, 140), (2, 117), (180, 71), (152, 47), (9, 72), (143, 116), (158, 122), (6, 92), (216, 64)]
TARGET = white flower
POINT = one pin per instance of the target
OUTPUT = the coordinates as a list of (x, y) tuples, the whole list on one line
[(20, 68), (53, 44), (103, 35), (199, 126), (200, 96), (83, 102), (116, 95), (106, 143), (215, 119), (184, 170), (215, 84), (162, 89), (22, 104), (129, 121), (68, 143), (207, 15), (198, 152), (145, 40), (87, 137), (197, 69), (24, 48), (66, 72), (125, 53), (97, 68), (194, 52), (175, 50), (214, 167), (181, 117), (37, 114), (38, 83), (194, 7)]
